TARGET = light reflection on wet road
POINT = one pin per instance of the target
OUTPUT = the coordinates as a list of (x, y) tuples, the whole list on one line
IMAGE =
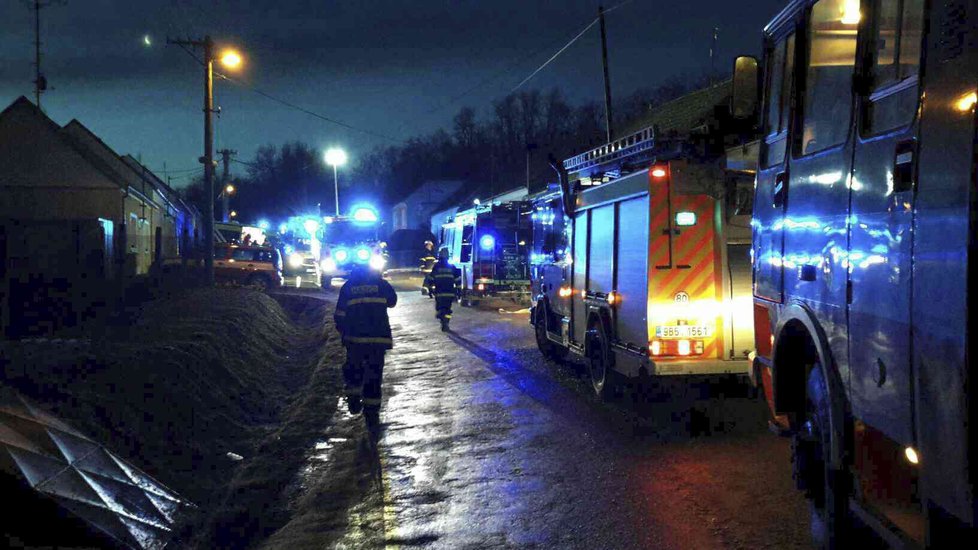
[(486, 445)]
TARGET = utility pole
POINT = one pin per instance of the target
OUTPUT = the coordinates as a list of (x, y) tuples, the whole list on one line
[(713, 54), (226, 155), (208, 159), (607, 79), (40, 83)]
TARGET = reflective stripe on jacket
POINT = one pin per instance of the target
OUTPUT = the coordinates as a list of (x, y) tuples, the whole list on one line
[(361, 311)]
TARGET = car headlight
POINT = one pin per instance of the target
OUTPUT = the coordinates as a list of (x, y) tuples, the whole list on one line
[(377, 262), (328, 264), (341, 255), (295, 260)]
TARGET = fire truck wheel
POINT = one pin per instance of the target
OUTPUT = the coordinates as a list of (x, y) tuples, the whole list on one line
[(824, 485), (549, 349), (600, 361)]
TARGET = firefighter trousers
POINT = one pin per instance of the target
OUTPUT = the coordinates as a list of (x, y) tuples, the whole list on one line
[(363, 373), (443, 307)]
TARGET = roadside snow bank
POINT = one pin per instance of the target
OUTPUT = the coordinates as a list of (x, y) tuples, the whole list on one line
[(195, 377)]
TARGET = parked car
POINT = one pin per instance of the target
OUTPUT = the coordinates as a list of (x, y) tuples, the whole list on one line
[(249, 265)]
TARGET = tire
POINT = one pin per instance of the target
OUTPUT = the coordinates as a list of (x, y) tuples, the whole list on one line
[(825, 486), (600, 361), (549, 349), (259, 281)]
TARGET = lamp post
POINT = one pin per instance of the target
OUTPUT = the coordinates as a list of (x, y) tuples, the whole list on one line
[(231, 60), (336, 157), (226, 195)]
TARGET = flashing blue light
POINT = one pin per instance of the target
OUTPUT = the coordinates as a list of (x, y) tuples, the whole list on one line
[(289, 249), (341, 255), (283, 228), (487, 242), (263, 224), (363, 254), (364, 214), (311, 226)]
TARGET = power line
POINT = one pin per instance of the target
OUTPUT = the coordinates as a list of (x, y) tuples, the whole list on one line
[(569, 44)]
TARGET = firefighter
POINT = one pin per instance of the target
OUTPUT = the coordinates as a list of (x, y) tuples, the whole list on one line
[(445, 282), (361, 318), (427, 261)]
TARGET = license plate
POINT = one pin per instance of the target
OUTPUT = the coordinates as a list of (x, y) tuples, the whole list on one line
[(682, 331)]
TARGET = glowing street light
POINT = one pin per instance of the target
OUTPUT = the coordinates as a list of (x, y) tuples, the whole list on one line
[(234, 214), (229, 189), (230, 59), (336, 157)]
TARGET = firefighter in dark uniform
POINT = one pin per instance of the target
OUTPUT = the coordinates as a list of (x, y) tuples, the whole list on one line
[(446, 281), (427, 260), (361, 318)]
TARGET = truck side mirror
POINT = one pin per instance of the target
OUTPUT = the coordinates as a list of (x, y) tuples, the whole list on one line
[(745, 93)]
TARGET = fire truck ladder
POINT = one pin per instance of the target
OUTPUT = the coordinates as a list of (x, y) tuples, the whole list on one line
[(643, 141)]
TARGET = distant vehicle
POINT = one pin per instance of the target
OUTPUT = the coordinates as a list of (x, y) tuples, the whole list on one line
[(490, 244), (248, 265), (639, 265), (865, 263), (350, 240), (300, 249)]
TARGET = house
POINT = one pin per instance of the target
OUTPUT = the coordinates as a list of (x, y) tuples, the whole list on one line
[(74, 215), (414, 212)]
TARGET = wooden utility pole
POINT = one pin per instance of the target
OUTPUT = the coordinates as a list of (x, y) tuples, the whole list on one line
[(607, 79), (226, 155), (208, 159)]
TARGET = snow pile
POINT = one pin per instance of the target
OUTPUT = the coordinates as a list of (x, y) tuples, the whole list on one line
[(195, 377)]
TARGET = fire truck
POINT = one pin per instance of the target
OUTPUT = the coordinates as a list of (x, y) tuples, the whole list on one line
[(490, 244), (640, 266), (864, 257)]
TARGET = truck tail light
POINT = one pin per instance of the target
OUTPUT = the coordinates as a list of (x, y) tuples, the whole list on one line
[(683, 348), (565, 292), (482, 286), (676, 348)]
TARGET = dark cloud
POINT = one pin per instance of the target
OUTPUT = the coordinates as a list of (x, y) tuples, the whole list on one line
[(385, 65)]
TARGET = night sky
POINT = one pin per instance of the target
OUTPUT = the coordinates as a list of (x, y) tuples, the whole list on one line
[(386, 66)]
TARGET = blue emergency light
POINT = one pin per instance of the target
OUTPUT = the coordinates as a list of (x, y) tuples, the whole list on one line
[(341, 255), (487, 242), (363, 254)]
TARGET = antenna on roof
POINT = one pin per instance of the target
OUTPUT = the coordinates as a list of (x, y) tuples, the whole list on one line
[(40, 82)]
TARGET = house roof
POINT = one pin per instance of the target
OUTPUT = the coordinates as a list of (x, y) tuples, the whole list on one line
[(683, 114), (24, 103), (465, 196)]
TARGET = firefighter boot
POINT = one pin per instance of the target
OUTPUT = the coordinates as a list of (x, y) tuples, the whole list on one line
[(354, 404), (444, 324)]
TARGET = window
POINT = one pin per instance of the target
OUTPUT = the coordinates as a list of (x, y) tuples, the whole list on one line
[(898, 32), (268, 256), (832, 31), (243, 254), (780, 70), (467, 233)]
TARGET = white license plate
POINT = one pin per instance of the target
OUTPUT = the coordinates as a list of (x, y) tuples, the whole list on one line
[(682, 331)]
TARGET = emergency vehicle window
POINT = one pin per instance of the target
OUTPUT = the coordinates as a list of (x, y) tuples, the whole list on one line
[(467, 232), (781, 66), (898, 31), (243, 255), (832, 30)]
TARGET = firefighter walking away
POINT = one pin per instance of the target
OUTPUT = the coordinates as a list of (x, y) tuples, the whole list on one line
[(361, 318), (444, 281)]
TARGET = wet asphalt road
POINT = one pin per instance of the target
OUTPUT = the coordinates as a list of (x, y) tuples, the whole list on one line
[(487, 445)]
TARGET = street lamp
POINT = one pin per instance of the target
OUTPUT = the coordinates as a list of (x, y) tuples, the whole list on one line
[(226, 196), (336, 157), (229, 59)]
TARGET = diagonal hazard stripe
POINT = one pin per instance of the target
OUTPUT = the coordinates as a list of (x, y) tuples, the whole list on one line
[(667, 282)]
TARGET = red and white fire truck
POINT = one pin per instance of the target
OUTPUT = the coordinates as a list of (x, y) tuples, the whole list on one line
[(865, 261), (640, 264)]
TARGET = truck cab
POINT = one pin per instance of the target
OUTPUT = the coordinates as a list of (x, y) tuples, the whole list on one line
[(864, 227)]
